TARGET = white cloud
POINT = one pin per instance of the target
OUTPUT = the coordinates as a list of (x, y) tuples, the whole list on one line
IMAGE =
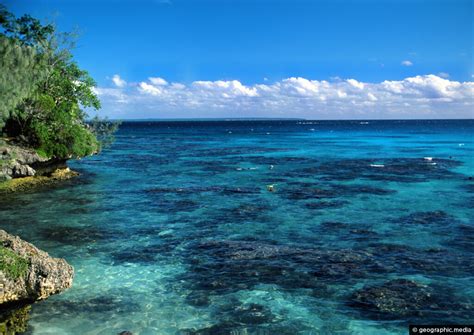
[(178, 86), (372, 97), (115, 94), (443, 75), (119, 82), (427, 96), (355, 83), (407, 63), (150, 89), (158, 81), (227, 89)]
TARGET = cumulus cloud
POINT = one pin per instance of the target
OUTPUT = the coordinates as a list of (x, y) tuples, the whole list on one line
[(112, 94), (226, 89), (158, 81), (427, 96), (355, 83), (407, 63), (119, 82)]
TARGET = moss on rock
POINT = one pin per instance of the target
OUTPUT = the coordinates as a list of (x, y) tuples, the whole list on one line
[(15, 320), (29, 274), (30, 183), (11, 264)]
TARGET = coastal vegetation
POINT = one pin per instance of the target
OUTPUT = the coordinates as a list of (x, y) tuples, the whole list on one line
[(45, 99), (45, 95)]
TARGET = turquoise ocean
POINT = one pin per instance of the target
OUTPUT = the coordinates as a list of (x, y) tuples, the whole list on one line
[(260, 227)]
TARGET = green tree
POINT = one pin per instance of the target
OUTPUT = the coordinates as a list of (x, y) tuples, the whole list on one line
[(21, 70), (23, 61), (49, 94)]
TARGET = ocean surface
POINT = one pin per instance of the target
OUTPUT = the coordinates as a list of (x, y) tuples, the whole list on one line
[(261, 227)]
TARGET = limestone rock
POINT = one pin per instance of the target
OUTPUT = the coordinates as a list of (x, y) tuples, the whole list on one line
[(17, 162), (29, 274)]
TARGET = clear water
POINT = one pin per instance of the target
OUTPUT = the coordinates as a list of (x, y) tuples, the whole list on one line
[(173, 229)]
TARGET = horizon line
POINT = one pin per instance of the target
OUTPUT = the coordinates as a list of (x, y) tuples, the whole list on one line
[(275, 119)]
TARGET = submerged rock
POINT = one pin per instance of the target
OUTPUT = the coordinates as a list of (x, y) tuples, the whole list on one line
[(29, 274)]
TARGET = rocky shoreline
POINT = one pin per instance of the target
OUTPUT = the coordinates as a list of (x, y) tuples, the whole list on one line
[(23, 169), (27, 274), (33, 182)]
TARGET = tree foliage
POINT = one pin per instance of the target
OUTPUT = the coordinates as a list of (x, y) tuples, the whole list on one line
[(45, 91), (21, 70)]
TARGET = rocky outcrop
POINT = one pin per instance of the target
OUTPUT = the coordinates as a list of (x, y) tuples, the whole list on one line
[(22, 169), (17, 162), (28, 274)]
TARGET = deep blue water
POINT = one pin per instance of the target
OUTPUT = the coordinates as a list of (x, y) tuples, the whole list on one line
[(173, 229)]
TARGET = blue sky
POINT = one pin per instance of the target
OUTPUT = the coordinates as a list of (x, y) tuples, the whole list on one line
[(265, 43)]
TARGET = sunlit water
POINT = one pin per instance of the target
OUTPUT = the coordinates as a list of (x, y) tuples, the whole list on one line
[(173, 230)]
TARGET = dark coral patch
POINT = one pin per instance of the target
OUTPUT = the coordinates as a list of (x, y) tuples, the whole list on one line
[(118, 301), (242, 319), (394, 169), (247, 212), (427, 218), (326, 204), (238, 265), (405, 300), (463, 239), (77, 235), (405, 259), (308, 191)]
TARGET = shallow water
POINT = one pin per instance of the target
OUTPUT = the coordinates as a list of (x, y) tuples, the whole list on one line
[(173, 229)]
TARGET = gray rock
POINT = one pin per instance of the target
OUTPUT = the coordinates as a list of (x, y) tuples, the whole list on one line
[(19, 170), (29, 274), (17, 162)]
